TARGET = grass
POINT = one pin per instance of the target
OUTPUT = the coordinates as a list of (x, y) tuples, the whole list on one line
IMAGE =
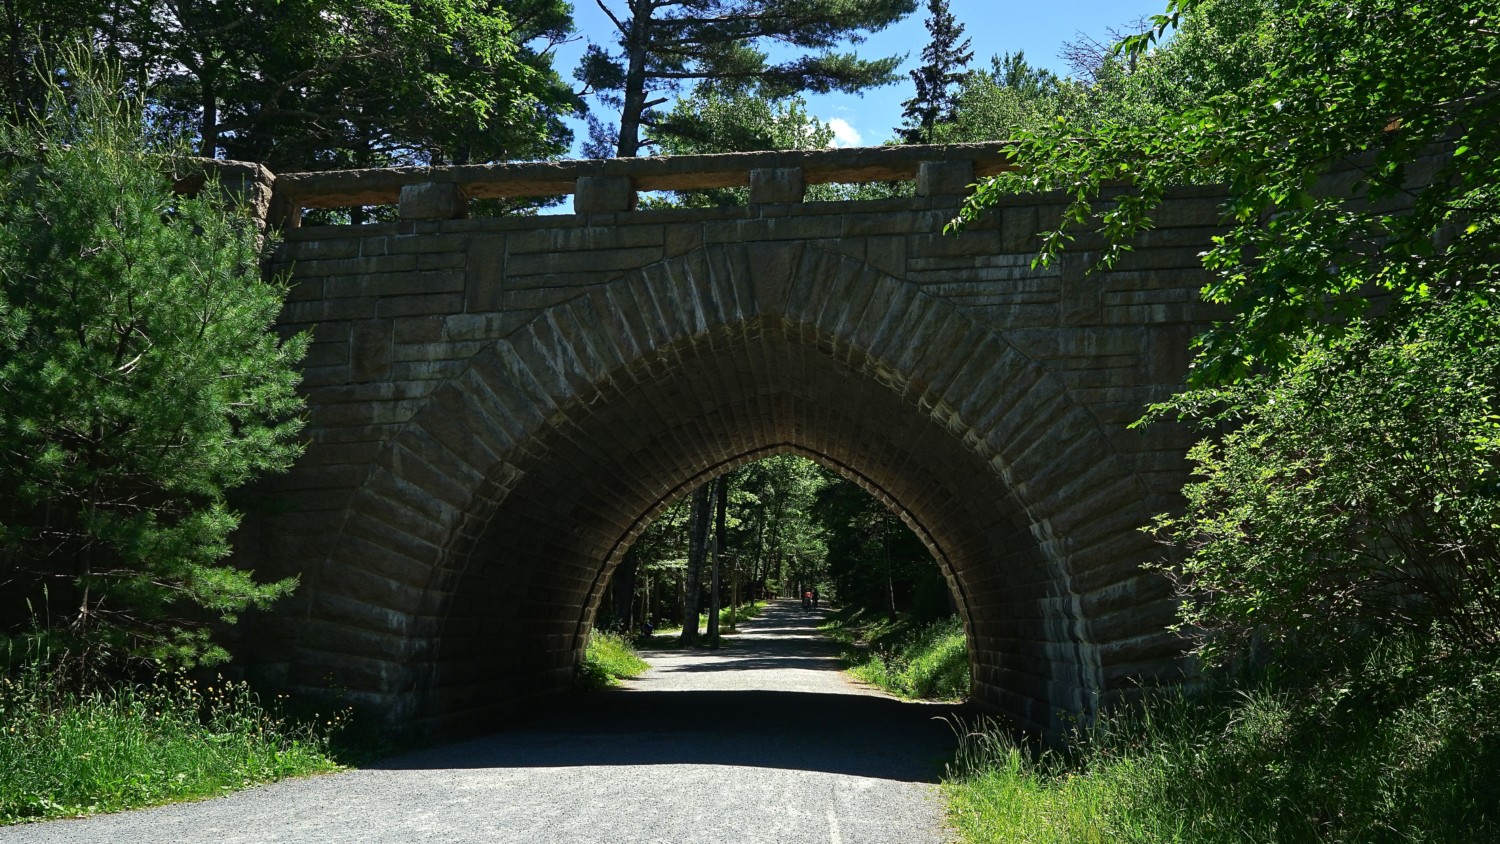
[(1384, 758), (927, 662), (64, 754), (664, 636), (742, 613), (609, 658)]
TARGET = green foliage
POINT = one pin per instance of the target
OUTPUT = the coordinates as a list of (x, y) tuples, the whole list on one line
[(1313, 91), (395, 82), (1210, 53), (139, 381), (791, 525), (64, 754), (775, 496), (29, 32), (744, 612), (302, 84), (874, 561), (1354, 496), (998, 104), (925, 661), (1346, 490), (1392, 752), (664, 44), (717, 118), (1339, 541), (609, 658), (943, 61)]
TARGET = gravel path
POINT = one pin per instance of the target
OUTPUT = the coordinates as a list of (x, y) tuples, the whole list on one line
[(764, 740)]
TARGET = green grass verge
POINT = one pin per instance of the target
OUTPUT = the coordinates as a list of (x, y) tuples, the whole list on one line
[(609, 658), (926, 662), (743, 613), (1403, 760), (64, 754)]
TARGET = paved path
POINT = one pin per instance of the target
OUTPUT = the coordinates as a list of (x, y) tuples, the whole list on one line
[(762, 741)]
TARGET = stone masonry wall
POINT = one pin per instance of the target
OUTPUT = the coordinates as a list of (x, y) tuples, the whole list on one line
[(498, 406)]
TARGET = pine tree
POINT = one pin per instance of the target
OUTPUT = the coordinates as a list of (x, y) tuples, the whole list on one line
[(943, 62), (316, 84), (665, 44), (140, 380)]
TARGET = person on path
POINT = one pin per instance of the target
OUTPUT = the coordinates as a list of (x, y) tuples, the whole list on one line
[(807, 600), (815, 597)]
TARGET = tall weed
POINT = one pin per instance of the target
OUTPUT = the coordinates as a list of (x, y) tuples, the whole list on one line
[(1403, 753), (66, 753), (609, 658), (929, 662)]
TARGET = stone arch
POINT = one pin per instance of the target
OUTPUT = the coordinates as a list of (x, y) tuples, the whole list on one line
[(472, 556)]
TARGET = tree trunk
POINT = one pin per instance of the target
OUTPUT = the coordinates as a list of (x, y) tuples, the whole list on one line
[(721, 496), (624, 593), (890, 582), (645, 597), (757, 582), (208, 128), (634, 105), (734, 595), (697, 550)]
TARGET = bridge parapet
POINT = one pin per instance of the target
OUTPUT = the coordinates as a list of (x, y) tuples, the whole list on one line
[(611, 185)]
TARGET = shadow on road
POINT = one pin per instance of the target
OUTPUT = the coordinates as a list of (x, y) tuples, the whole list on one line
[(751, 662), (846, 734), (664, 720)]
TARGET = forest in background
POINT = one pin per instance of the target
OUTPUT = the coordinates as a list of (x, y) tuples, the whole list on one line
[(788, 526)]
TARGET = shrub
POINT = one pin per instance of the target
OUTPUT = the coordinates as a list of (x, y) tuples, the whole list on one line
[(1395, 752), (1356, 496)]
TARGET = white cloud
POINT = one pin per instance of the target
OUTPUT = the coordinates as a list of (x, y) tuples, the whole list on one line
[(844, 135)]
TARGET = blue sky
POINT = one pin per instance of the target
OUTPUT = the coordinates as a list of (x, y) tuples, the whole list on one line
[(996, 26)]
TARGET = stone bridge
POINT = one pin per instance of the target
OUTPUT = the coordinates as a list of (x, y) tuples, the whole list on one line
[(499, 405)]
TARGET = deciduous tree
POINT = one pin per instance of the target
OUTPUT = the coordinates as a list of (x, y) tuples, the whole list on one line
[(1346, 486), (333, 83), (31, 33), (698, 535), (1356, 495), (717, 118), (999, 103)]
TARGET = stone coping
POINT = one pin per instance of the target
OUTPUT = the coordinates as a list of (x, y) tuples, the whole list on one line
[(382, 186)]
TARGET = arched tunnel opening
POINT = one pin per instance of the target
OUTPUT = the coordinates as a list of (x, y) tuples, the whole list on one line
[(789, 528), (477, 554), (527, 584)]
